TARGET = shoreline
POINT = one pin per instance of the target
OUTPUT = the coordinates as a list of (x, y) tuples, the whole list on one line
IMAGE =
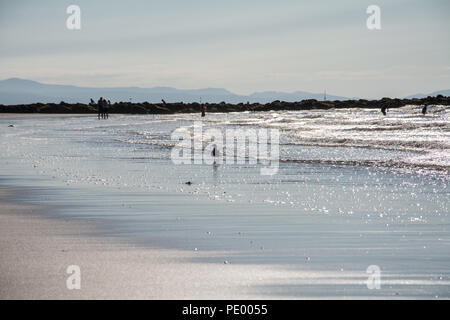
[(22, 115), (36, 251)]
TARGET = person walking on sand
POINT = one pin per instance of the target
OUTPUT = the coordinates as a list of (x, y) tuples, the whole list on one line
[(106, 105), (100, 107)]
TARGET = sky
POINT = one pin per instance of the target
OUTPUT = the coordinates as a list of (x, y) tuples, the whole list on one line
[(244, 46)]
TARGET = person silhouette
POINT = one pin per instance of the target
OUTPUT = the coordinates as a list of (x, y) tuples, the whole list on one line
[(106, 105), (100, 107), (424, 110), (203, 111)]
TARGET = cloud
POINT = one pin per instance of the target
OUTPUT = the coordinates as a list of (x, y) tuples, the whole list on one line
[(243, 46)]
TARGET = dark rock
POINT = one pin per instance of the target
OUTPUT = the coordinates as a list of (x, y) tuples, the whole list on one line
[(180, 107)]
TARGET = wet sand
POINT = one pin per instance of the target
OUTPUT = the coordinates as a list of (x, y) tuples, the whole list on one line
[(36, 251), (26, 115)]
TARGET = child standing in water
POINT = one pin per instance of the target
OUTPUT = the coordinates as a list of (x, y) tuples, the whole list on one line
[(203, 111)]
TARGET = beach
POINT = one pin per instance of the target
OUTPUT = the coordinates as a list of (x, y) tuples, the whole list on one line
[(36, 252), (104, 195), (231, 152)]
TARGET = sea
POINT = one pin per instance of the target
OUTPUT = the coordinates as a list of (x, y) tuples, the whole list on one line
[(354, 191)]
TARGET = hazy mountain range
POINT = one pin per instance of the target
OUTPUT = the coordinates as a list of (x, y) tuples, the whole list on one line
[(445, 93), (21, 91)]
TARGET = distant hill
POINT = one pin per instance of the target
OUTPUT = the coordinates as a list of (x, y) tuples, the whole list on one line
[(445, 93), (20, 91), (269, 96)]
